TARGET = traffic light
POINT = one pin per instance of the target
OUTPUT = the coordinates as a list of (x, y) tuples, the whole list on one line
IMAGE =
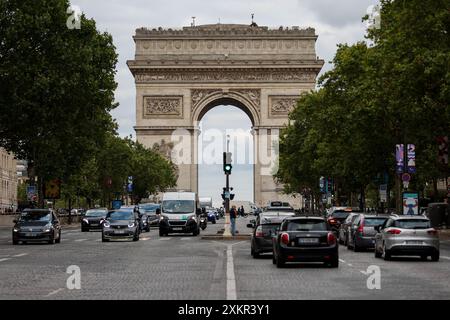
[(227, 162), (231, 196)]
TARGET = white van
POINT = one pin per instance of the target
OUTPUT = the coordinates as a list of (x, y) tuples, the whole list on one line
[(179, 213)]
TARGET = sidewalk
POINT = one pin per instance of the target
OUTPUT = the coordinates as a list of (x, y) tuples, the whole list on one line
[(243, 233)]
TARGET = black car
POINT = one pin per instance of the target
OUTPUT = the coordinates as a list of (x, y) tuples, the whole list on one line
[(37, 225), (345, 226), (305, 239), (152, 212), (93, 219), (337, 217), (121, 224), (264, 228)]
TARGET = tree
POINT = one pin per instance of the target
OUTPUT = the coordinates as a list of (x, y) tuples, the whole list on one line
[(56, 87)]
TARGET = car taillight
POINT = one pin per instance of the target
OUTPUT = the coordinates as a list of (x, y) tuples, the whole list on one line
[(332, 221), (331, 239), (432, 232), (259, 232), (394, 231), (285, 238)]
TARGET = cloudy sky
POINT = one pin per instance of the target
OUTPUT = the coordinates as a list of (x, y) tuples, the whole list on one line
[(335, 22)]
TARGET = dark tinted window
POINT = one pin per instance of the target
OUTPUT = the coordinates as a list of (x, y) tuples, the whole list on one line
[(340, 214), (95, 213), (35, 216), (270, 228), (121, 215), (307, 225), (150, 207), (372, 222), (412, 224)]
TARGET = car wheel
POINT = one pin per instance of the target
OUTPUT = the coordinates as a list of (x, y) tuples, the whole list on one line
[(386, 253), (346, 240), (59, 238), (136, 237), (435, 257), (161, 233), (15, 242), (83, 230), (105, 240), (195, 233), (334, 262), (349, 247), (214, 222), (51, 241), (255, 254), (355, 246), (341, 241), (423, 258)]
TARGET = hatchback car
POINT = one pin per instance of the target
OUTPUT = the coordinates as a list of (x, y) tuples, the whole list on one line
[(152, 211), (93, 219), (264, 228), (121, 224), (407, 236), (305, 239), (345, 227), (37, 225), (336, 217), (361, 234)]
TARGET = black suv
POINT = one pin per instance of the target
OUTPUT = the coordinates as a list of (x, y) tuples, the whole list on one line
[(37, 225)]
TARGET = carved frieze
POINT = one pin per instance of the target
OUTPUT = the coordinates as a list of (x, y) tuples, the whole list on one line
[(280, 106), (163, 106), (253, 96), (224, 75)]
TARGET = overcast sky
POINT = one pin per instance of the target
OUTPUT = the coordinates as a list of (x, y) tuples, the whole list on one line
[(335, 22)]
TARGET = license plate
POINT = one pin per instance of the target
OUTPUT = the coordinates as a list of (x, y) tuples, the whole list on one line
[(95, 224), (119, 231), (308, 240), (30, 235), (413, 242), (177, 228)]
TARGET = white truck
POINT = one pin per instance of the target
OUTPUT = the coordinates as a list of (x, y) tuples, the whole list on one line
[(206, 202), (179, 213)]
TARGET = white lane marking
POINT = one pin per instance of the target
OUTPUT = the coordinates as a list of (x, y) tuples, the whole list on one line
[(80, 240), (446, 258), (98, 240), (186, 239), (20, 255), (144, 239), (54, 292), (231, 278), (342, 260), (5, 259), (164, 239)]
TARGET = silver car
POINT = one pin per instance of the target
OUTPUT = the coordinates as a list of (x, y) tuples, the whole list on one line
[(407, 236)]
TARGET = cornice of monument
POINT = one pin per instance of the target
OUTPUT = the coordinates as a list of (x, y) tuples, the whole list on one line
[(225, 30)]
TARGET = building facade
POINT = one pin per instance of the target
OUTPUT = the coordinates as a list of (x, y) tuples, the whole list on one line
[(8, 184)]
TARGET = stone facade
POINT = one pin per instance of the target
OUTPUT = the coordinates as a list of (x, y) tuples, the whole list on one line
[(8, 183), (182, 74)]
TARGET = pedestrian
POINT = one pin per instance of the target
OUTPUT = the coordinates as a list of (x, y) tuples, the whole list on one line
[(242, 211), (233, 220), (238, 212)]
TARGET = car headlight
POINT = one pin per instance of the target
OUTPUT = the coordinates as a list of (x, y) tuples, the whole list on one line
[(131, 225), (161, 218), (85, 221), (193, 218), (48, 228), (16, 229), (106, 224)]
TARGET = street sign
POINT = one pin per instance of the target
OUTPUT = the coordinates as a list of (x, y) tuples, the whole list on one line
[(383, 193), (227, 194), (411, 158), (410, 203), (399, 158), (406, 177), (31, 192), (322, 184), (52, 189)]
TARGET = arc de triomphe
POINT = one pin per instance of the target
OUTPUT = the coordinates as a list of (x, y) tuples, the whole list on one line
[(182, 74)]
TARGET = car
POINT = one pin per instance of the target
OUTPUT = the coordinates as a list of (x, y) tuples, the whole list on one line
[(305, 239), (121, 224), (93, 219), (361, 233), (264, 227), (345, 227), (37, 225), (212, 217), (336, 217), (180, 213), (152, 211), (407, 236)]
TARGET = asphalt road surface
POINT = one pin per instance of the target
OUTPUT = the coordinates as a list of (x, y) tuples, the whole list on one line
[(184, 267)]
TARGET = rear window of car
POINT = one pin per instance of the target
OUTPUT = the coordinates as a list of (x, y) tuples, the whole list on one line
[(412, 224), (340, 214), (267, 228), (371, 222), (307, 225)]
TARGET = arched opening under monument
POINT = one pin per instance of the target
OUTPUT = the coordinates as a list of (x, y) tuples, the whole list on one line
[(217, 121)]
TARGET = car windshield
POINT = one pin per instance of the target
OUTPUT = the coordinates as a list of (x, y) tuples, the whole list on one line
[(178, 206), (340, 214), (371, 222), (95, 213), (412, 224), (35, 216), (149, 207), (307, 225), (120, 215)]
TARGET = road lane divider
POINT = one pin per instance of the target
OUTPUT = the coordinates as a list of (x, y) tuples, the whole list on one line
[(54, 292), (4, 259), (20, 255)]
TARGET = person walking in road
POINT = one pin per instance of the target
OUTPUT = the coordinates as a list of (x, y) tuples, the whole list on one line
[(233, 214), (242, 211)]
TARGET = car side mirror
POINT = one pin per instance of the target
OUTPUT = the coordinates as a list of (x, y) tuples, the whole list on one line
[(15, 221), (250, 225)]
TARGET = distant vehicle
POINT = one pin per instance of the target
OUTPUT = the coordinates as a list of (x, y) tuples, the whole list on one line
[(205, 202), (212, 217), (93, 219), (150, 210), (179, 213), (305, 239), (37, 225), (407, 236), (279, 206), (264, 228), (336, 217), (345, 226), (77, 212), (362, 232), (121, 224)]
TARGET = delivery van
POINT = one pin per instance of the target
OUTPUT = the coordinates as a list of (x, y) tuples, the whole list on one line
[(180, 213)]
